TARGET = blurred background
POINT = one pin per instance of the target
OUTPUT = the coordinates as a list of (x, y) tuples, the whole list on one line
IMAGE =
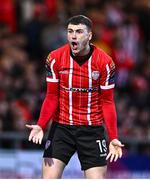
[(29, 30)]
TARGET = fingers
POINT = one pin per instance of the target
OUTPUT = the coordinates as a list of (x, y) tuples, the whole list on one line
[(112, 157), (114, 154), (30, 136), (36, 134), (40, 140), (37, 141), (108, 156), (119, 152), (35, 138), (116, 157)]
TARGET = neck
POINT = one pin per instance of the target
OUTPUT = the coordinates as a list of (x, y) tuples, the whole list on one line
[(81, 59), (86, 51)]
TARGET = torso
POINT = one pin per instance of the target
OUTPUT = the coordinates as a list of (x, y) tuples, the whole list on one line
[(79, 97)]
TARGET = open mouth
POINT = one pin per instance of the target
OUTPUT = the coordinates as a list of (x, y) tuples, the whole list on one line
[(74, 45)]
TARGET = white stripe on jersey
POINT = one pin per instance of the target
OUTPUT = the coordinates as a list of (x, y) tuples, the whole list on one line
[(53, 79), (70, 92), (108, 75), (108, 87), (89, 93), (52, 64)]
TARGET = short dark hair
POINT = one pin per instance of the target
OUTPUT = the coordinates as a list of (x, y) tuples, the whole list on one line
[(80, 19)]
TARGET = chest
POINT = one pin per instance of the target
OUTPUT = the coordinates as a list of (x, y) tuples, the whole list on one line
[(83, 76)]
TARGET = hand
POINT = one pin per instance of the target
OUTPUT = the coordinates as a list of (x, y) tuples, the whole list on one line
[(36, 134), (115, 150)]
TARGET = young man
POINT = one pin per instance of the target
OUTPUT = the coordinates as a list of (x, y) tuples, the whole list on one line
[(79, 99)]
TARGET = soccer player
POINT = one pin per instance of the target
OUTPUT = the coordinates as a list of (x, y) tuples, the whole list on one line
[(79, 99)]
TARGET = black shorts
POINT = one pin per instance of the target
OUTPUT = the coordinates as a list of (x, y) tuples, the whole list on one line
[(88, 141)]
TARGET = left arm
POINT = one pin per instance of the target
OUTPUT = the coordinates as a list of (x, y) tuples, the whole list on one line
[(109, 113), (107, 83), (110, 117)]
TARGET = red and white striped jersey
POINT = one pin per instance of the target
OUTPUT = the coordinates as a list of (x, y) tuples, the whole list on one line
[(80, 85)]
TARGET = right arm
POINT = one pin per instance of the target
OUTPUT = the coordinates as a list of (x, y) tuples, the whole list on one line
[(50, 102), (49, 105)]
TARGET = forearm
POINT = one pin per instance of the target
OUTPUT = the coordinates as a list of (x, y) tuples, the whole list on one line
[(48, 109), (49, 105), (109, 113)]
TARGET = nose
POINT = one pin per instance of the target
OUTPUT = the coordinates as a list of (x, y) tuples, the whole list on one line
[(74, 35)]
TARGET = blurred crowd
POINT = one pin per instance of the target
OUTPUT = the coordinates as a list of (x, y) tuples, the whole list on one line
[(30, 29)]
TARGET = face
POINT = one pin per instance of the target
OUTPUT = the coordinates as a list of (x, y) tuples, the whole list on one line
[(78, 38)]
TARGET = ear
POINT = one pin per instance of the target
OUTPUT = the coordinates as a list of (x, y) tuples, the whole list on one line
[(90, 35)]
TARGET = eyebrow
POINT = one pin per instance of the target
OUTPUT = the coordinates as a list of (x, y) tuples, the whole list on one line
[(75, 29)]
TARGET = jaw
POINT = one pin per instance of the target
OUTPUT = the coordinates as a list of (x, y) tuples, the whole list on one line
[(75, 52), (75, 48), (79, 49)]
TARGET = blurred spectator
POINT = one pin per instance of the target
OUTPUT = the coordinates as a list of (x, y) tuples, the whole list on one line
[(76, 7), (53, 36), (33, 30), (142, 8), (7, 14), (51, 8)]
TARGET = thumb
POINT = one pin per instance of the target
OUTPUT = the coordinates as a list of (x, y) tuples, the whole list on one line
[(120, 145), (116, 142), (29, 126)]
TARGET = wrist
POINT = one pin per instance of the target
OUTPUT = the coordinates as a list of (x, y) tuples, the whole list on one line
[(41, 126)]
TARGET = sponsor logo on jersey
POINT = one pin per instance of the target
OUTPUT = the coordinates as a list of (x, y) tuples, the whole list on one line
[(81, 89), (95, 75)]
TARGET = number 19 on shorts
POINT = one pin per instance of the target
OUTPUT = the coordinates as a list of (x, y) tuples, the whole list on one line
[(102, 147)]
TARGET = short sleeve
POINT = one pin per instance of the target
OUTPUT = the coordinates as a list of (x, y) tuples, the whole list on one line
[(107, 77), (51, 69)]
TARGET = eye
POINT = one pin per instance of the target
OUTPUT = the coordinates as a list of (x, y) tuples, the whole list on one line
[(80, 31), (70, 31)]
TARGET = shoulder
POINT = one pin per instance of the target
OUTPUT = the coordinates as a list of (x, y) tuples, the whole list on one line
[(103, 57), (56, 55), (60, 51)]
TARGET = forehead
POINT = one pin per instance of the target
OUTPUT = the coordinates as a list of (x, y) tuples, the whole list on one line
[(76, 27)]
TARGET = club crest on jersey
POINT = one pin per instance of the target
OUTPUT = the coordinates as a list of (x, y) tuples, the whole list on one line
[(48, 142), (95, 75)]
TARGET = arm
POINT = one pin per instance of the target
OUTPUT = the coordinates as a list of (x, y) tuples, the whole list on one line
[(109, 111), (50, 102), (49, 105), (48, 109)]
